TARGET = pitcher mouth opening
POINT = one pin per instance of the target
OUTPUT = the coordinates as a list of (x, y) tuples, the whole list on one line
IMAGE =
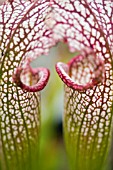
[(31, 79), (82, 72)]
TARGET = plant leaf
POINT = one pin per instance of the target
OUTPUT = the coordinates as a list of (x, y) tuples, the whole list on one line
[(86, 26), (23, 37)]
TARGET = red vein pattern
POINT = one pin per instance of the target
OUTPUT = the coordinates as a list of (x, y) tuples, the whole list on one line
[(23, 37), (27, 30), (86, 26)]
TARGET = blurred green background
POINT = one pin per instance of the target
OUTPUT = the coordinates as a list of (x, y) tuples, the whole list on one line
[(52, 154)]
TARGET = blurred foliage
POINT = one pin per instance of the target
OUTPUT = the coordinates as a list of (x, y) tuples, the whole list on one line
[(52, 154)]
